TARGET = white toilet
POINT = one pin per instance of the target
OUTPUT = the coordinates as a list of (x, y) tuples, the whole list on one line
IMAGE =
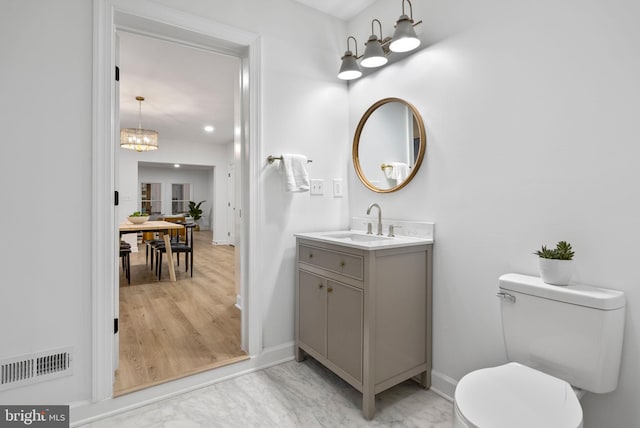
[(561, 341)]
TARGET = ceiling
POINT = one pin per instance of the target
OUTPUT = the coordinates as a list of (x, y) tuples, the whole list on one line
[(342, 9), (187, 88), (184, 88)]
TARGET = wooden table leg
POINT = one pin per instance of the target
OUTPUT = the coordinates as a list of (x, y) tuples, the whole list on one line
[(167, 244)]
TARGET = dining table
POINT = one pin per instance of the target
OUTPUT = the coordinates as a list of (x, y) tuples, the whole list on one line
[(164, 228)]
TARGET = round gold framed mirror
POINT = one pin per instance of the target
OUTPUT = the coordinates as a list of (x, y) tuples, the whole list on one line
[(389, 145)]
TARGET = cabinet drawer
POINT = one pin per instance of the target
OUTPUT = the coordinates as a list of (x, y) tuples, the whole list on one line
[(335, 261)]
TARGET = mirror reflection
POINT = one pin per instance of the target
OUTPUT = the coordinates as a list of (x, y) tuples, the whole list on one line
[(389, 145)]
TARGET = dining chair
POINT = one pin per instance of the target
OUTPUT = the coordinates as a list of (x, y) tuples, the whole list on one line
[(125, 251), (154, 241), (150, 248), (178, 247)]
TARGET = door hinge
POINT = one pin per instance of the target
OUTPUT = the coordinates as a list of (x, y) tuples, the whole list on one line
[(115, 325), (116, 198), (117, 73)]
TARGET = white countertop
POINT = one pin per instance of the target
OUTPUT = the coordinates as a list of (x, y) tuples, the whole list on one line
[(363, 241)]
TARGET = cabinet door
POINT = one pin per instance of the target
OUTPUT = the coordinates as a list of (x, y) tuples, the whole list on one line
[(344, 327), (312, 307)]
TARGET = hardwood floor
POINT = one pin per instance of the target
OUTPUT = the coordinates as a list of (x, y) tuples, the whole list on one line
[(170, 329)]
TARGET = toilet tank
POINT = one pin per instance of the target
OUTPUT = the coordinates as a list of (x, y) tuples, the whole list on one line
[(572, 332)]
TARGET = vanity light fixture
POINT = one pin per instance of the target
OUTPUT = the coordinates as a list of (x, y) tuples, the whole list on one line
[(209, 128), (139, 139), (350, 69), (405, 38), (374, 55), (377, 48)]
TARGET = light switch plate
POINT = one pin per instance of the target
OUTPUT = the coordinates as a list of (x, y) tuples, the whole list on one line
[(337, 188), (317, 187)]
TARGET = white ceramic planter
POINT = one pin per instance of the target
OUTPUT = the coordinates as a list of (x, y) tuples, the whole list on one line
[(556, 272)]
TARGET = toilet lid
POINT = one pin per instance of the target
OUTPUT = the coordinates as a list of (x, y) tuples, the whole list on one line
[(513, 395)]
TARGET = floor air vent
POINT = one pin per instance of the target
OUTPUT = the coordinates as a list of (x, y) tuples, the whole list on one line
[(27, 369)]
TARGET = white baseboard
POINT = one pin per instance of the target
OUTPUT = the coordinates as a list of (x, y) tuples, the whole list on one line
[(443, 385), (239, 302), (85, 412)]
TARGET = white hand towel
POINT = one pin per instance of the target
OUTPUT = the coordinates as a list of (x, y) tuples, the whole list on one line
[(401, 171), (294, 168), (397, 171)]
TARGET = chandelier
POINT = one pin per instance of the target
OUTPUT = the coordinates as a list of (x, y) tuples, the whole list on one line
[(138, 139)]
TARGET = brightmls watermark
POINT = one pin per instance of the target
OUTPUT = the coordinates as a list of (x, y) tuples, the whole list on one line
[(34, 416)]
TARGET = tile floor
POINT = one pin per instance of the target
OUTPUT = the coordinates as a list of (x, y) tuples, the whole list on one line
[(288, 395)]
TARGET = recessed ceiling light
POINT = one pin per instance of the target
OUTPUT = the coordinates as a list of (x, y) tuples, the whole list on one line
[(176, 165), (209, 128)]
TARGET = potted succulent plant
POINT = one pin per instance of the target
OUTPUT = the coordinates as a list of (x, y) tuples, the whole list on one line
[(556, 264), (195, 212)]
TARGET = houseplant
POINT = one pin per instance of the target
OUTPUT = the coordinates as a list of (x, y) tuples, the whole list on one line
[(195, 212), (556, 264)]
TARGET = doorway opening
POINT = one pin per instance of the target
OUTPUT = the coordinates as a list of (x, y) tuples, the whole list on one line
[(171, 329), (187, 30)]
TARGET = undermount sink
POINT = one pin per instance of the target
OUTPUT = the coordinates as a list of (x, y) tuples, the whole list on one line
[(356, 237)]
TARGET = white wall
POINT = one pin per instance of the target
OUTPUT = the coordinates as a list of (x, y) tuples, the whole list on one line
[(531, 111), (45, 117), (45, 112)]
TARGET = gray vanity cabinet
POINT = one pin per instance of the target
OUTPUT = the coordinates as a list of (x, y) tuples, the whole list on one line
[(332, 321), (365, 314)]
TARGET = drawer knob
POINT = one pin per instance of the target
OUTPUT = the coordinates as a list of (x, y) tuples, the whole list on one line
[(329, 289), (320, 286), (310, 255), (343, 263)]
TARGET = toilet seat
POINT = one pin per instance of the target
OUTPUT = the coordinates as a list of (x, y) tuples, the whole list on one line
[(513, 395)]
